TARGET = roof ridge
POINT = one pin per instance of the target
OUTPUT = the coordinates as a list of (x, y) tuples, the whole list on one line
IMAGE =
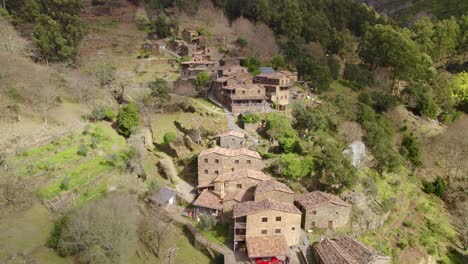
[(334, 244)]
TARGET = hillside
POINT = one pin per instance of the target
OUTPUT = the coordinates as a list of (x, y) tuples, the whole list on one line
[(106, 105)]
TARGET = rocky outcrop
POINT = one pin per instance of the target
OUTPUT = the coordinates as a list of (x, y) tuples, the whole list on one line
[(356, 152)]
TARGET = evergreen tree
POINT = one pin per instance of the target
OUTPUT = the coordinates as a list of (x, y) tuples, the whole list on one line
[(128, 119)]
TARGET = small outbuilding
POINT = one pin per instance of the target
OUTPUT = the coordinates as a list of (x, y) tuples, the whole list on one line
[(164, 197)]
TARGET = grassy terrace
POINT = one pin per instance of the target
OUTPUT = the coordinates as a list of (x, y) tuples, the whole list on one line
[(62, 168)]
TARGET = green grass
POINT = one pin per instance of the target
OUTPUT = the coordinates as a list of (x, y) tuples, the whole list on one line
[(219, 234)]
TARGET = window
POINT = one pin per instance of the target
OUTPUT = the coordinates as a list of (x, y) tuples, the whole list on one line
[(233, 139), (243, 92), (216, 172), (236, 161), (264, 232), (206, 160), (232, 169), (239, 185), (216, 160), (258, 91), (206, 171), (314, 212), (312, 224), (293, 228), (264, 219), (249, 162), (330, 224), (278, 219), (278, 231)]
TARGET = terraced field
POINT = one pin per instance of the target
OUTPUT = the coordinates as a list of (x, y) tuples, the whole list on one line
[(80, 164)]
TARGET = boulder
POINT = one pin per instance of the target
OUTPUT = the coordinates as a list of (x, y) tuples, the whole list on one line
[(356, 152)]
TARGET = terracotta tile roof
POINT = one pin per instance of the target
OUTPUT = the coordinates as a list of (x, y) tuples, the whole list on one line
[(287, 73), (252, 207), (233, 133), (209, 199), (248, 97), (266, 246), (231, 152), (316, 198), (346, 250), (240, 196), (275, 75), (240, 174), (272, 185)]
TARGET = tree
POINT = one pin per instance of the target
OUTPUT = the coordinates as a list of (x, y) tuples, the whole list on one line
[(309, 118), (207, 222), (412, 148), (293, 166), (241, 42), (48, 38), (424, 35), (252, 64), (460, 90), (58, 30), (128, 119), (14, 191), (153, 229), (311, 70), (384, 46), (278, 125), (202, 81), (101, 232), (160, 90), (278, 62), (162, 27), (141, 19), (446, 37), (104, 72)]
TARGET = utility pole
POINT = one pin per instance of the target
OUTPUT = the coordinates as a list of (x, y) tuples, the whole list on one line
[(4, 5)]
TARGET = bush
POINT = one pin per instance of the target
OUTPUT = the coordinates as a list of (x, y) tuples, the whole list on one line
[(241, 42), (293, 166), (249, 118), (54, 238), (82, 150), (65, 184), (411, 149), (128, 119), (387, 204), (141, 19), (207, 222), (169, 137), (102, 113), (437, 187), (357, 74), (94, 142), (408, 224)]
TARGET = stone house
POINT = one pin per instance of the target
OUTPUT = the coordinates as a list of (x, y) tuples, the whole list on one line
[(190, 69), (230, 61), (323, 210), (151, 48), (291, 75), (231, 139), (208, 202), (345, 249), (277, 88), (216, 161), (164, 197), (187, 50), (270, 219), (229, 189), (274, 190), (188, 34)]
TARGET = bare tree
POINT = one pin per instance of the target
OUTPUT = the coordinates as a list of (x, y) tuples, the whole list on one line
[(103, 231), (15, 191), (153, 230)]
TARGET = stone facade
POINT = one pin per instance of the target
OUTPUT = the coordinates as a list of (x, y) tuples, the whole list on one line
[(277, 87), (323, 210), (231, 142), (289, 225), (188, 34), (220, 161)]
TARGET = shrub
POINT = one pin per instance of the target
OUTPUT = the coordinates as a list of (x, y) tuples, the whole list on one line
[(82, 150), (437, 187), (207, 222), (102, 113), (141, 19), (169, 137), (94, 142), (408, 224), (54, 237), (128, 119), (388, 204), (411, 149), (402, 243), (241, 42), (358, 74), (65, 184), (249, 118)]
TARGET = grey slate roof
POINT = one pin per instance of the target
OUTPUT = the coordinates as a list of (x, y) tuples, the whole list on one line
[(266, 70), (163, 195)]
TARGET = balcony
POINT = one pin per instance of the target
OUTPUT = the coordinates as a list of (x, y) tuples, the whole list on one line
[(239, 225), (239, 238)]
